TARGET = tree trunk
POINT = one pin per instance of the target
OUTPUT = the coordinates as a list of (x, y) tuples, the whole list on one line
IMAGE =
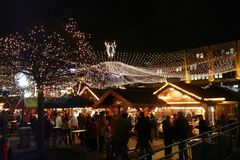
[(40, 140)]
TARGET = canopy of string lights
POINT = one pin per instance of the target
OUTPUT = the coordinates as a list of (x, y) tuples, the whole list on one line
[(201, 63), (61, 57)]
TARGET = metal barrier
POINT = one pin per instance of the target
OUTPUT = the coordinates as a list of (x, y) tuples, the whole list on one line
[(219, 143)]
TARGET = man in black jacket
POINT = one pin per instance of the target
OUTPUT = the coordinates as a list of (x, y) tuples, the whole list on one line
[(167, 135), (143, 128), (181, 129), (120, 136)]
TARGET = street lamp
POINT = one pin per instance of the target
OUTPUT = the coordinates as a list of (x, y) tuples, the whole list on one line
[(22, 82)]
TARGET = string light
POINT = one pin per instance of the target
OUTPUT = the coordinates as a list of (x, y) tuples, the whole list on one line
[(172, 64), (50, 57), (118, 73), (56, 56)]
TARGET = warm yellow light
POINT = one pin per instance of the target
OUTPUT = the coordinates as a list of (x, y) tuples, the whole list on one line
[(237, 62), (214, 99), (212, 109), (163, 97), (189, 93), (86, 88), (118, 102), (228, 102), (185, 96), (211, 77), (187, 73), (122, 87), (183, 102), (176, 95), (165, 85), (1, 106), (69, 90), (188, 81), (179, 108)]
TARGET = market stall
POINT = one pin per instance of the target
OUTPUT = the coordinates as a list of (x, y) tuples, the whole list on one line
[(129, 100), (209, 101)]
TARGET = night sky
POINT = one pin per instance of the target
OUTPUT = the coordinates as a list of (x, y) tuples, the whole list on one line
[(136, 26)]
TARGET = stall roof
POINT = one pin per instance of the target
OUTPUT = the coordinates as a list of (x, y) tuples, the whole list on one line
[(55, 102), (203, 93), (17, 102), (99, 92), (140, 96), (214, 91), (1, 99), (13, 102), (78, 101), (90, 92), (68, 102), (131, 97)]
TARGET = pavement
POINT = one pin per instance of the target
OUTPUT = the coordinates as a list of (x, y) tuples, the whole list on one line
[(60, 152), (78, 151), (74, 152)]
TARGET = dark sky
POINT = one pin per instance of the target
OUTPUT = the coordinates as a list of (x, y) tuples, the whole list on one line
[(136, 26)]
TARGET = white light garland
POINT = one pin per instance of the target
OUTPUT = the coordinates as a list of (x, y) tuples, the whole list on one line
[(109, 67)]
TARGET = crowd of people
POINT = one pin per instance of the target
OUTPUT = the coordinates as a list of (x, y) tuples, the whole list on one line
[(110, 134), (104, 132)]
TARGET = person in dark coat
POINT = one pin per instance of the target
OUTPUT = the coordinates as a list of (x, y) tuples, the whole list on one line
[(221, 122), (181, 129), (167, 135), (154, 132), (202, 125), (6, 152), (91, 133), (48, 130), (120, 136), (143, 128)]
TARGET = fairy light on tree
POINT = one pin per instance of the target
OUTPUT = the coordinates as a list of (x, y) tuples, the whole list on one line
[(48, 56)]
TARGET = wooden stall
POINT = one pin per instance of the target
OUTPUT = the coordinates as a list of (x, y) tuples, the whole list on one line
[(210, 100), (129, 100)]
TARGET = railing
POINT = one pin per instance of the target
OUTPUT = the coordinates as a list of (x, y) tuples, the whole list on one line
[(219, 143)]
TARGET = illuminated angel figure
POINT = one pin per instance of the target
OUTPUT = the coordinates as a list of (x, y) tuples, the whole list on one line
[(110, 48)]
